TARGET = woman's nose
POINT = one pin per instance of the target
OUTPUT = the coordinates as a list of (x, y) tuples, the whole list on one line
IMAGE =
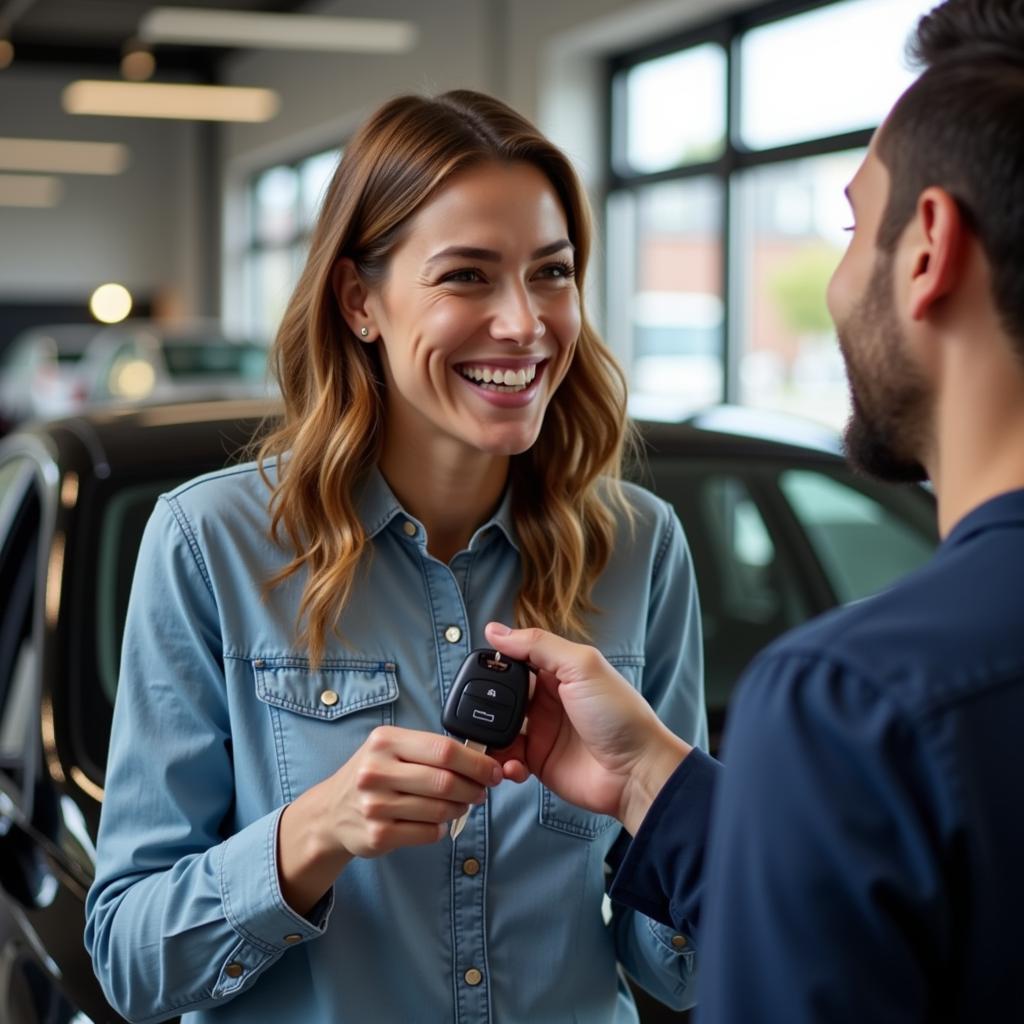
[(516, 319)]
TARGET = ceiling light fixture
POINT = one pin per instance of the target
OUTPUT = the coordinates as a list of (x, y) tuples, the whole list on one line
[(195, 27), (186, 102), (57, 156), (34, 190)]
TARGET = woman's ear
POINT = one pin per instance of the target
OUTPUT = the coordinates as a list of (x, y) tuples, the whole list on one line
[(353, 297)]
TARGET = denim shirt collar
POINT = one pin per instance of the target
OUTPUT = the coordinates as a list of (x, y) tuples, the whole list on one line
[(377, 507)]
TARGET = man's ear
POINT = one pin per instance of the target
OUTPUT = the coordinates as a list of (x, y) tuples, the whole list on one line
[(353, 299), (937, 258)]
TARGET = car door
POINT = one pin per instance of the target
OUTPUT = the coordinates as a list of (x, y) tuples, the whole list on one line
[(41, 893)]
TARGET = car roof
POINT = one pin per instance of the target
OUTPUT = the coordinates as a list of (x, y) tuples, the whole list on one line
[(128, 440), (723, 430), (190, 332)]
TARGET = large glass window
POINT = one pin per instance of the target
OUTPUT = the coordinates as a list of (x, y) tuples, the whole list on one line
[(729, 151), (283, 205)]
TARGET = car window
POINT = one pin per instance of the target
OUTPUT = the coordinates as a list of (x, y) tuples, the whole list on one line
[(749, 589), (862, 544), (213, 359), (124, 521), (13, 476)]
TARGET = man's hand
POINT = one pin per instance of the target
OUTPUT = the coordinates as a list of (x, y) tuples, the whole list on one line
[(591, 737)]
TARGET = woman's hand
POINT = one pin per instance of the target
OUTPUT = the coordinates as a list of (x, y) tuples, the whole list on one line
[(401, 788), (591, 737)]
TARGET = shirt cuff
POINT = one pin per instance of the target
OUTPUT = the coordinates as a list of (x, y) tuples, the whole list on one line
[(251, 891), (660, 873)]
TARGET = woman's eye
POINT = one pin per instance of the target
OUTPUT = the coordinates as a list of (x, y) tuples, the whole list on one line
[(558, 271), (850, 227), (464, 276)]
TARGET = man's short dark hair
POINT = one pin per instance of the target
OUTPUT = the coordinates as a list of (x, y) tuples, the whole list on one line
[(960, 126)]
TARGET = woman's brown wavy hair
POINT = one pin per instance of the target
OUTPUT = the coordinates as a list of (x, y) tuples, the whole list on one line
[(564, 489)]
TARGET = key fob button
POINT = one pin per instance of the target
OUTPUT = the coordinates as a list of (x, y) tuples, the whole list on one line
[(487, 690), (483, 713)]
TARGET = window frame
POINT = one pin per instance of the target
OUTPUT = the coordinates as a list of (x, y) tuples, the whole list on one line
[(254, 247), (727, 32)]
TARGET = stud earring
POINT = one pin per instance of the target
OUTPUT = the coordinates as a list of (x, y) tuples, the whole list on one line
[(364, 331)]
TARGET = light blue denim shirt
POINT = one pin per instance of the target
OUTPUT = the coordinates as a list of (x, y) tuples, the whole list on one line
[(220, 722)]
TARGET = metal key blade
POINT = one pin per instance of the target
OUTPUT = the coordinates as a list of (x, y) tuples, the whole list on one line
[(460, 823)]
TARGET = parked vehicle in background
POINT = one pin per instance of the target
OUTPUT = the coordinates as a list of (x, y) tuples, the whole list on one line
[(49, 372), (146, 362), (40, 373), (779, 528)]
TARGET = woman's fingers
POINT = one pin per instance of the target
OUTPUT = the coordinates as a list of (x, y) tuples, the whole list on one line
[(436, 751), (402, 807)]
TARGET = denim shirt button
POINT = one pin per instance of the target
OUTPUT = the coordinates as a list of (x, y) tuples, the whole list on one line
[(234, 970), (409, 528), (473, 976), (292, 939), (679, 941), (471, 866), (453, 634), (329, 698)]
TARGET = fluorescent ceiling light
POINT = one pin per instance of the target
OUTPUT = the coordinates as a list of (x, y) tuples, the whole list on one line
[(276, 31), (57, 156), (152, 99), (37, 190)]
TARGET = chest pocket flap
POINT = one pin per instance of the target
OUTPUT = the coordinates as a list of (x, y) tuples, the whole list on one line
[(320, 717), (335, 689)]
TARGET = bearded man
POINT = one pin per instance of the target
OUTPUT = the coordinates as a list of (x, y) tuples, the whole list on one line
[(866, 852)]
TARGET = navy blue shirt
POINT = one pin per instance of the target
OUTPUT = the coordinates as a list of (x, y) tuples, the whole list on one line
[(867, 842)]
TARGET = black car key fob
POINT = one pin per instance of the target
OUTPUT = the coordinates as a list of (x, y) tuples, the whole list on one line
[(487, 702)]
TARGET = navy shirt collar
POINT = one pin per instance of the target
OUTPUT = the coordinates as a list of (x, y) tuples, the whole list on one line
[(1003, 510)]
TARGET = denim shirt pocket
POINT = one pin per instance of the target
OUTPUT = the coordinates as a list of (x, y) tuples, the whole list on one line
[(321, 717), (559, 814)]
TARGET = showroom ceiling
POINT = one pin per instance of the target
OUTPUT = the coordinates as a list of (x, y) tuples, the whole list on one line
[(94, 32)]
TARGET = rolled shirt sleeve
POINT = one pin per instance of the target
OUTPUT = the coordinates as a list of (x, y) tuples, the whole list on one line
[(180, 915)]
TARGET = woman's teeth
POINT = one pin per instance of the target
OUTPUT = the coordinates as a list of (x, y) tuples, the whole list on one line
[(498, 379)]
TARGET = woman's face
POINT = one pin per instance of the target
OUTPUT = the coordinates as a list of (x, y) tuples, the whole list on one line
[(479, 314)]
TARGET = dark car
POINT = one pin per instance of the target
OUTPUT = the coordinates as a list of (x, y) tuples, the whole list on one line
[(779, 529)]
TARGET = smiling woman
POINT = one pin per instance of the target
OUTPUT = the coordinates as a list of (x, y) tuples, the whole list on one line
[(279, 789)]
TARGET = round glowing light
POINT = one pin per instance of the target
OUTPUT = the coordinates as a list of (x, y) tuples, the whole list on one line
[(131, 378), (6, 53), (110, 303)]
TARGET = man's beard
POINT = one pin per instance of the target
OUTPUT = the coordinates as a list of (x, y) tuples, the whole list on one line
[(886, 433)]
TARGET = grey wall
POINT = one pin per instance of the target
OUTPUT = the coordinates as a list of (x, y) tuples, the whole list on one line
[(139, 227)]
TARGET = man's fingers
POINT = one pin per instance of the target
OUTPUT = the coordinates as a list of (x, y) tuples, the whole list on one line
[(516, 771), (544, 650)]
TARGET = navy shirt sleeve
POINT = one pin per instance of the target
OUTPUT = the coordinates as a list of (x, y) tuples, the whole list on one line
[(660, 870), (824, 891)]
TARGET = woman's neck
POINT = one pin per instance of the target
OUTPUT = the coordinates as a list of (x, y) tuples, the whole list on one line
[(451, 492)]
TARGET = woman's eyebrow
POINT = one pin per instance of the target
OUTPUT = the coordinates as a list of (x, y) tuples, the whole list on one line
[(491, 256)]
